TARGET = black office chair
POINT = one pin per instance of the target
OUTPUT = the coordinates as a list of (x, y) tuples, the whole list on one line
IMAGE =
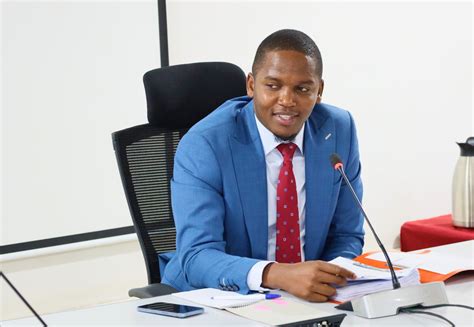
[(177, 97)]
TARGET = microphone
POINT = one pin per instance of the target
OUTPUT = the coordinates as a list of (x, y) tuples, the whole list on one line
[(337, 164), (388, 303)]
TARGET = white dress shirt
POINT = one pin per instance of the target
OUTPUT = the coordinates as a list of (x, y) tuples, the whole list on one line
[(274, 160)]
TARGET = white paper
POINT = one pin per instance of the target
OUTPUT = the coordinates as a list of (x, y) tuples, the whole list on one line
[(435, 262)]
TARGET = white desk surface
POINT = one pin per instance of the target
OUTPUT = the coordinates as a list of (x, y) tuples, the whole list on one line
[(460, 289)]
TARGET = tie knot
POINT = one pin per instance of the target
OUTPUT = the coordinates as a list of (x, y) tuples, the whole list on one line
[(287, 150)]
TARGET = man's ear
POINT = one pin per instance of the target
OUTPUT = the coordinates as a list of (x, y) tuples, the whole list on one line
[(250, 85), (320, 91)]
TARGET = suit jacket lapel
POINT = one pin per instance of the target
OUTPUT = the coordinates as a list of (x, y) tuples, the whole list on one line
[(319, 143), (250, 172)]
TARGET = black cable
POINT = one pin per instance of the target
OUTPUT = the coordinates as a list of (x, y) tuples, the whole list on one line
[(443, 305), (409, 310), (22, 298)]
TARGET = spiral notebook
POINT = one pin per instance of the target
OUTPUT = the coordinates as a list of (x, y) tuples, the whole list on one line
[(205, 297)]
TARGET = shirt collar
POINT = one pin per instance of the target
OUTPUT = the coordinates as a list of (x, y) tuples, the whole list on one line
[(270, 142)]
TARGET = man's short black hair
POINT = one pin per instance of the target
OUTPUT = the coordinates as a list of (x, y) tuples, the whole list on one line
[(288, 39)]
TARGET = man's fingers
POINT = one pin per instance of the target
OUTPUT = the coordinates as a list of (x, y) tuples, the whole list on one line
[(316, 297), (314, 280), (345, 273), (336, 270), (324, 289), (328, 278)]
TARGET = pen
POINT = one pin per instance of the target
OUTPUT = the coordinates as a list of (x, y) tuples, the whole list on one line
[(355, 263), (268, 296)]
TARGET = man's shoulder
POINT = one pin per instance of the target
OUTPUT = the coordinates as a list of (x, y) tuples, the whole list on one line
[(323, 111), (330, 111), (210, 136), (222, 121)]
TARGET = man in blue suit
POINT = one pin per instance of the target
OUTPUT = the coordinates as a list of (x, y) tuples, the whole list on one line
[(228, 176)]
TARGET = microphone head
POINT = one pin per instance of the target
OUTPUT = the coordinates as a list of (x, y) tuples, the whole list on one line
[(336, 161)]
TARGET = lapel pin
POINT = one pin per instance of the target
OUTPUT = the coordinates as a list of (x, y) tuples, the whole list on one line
[(328, 136)]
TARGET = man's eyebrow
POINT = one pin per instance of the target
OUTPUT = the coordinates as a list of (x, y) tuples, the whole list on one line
[(272, 78), (307, 82), (310, 82)]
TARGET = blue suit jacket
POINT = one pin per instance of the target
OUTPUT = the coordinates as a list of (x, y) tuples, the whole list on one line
[(219, 196)]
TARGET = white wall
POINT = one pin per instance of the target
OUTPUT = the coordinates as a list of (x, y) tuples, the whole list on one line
[(71, 75), (403, 69)]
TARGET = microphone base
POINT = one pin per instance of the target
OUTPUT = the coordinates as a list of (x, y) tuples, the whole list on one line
[(388, 303)]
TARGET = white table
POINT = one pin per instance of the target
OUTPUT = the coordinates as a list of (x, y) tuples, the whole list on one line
[(460, 289)]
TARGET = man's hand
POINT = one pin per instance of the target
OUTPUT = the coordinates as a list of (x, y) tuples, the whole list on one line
[(309, 280)]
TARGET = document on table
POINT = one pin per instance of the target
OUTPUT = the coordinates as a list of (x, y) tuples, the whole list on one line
[(284, 311), (370, 279), (427, 260), (279, 311)]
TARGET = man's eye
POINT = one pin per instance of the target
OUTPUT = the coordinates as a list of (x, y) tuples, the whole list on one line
[(272, 86), (303, 89)]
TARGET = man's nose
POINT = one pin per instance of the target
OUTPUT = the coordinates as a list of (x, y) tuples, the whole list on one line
[(286, 98)]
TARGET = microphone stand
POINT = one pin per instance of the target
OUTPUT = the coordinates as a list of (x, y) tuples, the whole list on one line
[(389, 303), (395, 282)]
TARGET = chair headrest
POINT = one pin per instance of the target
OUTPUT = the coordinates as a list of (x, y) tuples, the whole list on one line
[(179, 96)]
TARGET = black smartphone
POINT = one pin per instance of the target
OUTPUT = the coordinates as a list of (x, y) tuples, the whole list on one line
[(170, 309)]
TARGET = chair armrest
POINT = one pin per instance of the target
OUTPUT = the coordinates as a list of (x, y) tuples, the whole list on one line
[(151, 291)]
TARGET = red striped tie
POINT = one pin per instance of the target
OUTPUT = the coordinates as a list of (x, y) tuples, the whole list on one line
[(288, 228)]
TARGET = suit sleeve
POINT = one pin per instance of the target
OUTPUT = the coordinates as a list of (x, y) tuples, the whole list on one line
[(199, 213), (346, 234)]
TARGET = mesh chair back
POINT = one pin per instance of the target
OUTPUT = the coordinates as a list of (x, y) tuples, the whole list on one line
[(145, 153), (145, 157)]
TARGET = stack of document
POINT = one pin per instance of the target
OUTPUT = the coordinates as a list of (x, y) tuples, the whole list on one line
[(370, 279)]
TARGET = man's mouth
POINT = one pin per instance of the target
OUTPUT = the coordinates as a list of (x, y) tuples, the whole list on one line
[(286, 119)]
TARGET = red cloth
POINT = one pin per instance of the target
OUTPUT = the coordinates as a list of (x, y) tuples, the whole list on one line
[(288, 228), (425, 233)]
